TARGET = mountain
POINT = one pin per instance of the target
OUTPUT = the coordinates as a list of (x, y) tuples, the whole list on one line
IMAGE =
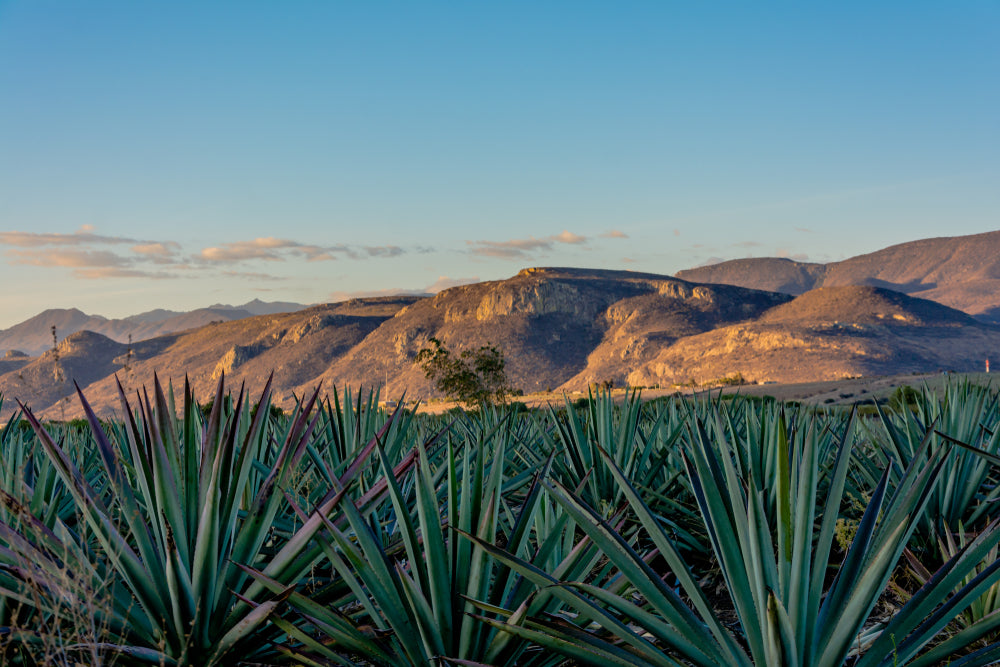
[(258, 307), (559, 329), (297, 347), (553, 324), (151, 316), (774, 274), (556, 326), (83, 357), (962, 272), (34, 336), (826, 334)]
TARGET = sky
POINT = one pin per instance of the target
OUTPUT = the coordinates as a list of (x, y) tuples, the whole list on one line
[(181, 154)]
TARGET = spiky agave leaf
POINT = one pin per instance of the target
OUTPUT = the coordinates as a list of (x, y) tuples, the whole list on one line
[(960, 413), (419, 585), (788, 613), (180, 565)]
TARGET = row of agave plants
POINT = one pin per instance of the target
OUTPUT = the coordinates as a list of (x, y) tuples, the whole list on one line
[(673, 532)]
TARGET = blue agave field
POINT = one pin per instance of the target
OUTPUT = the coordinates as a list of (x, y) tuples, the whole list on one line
[(672, 532)]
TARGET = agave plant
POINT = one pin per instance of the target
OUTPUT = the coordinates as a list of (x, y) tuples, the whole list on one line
[(347, 426), (410, 580), (641, 445), (35, 502), (775, 567), (984, 609), (969, 487), (186, 505)]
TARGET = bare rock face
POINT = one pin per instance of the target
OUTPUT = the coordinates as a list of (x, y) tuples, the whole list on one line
[(538, 297), (406, 343), (825, 334), (235, 357), (676, 289), (313, 324)]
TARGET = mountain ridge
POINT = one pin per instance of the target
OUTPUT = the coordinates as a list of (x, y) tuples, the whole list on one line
[(958, 271), (560, 328), (34, 335)]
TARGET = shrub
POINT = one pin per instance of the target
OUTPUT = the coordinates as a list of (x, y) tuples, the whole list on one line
[(475, 377)]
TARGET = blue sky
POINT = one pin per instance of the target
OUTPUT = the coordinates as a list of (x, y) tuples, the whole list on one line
[(179, 154)]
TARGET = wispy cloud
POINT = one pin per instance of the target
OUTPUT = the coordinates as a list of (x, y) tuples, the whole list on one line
[(156, 249), (747, 244), (515, 248), (89, 254), (566, 236), (272, 249), (115, 272), (253, 275), (86, 264), (83, 236), (614, 234), (264, 248), (383, 251), (512, 248), (68, 258), (157, 252), (97, 256)]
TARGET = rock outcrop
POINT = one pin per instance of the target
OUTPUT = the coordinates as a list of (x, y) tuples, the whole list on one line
[(559, 328)]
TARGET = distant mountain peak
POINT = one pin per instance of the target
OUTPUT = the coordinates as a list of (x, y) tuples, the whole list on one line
[(34, 335), (258, 307), (560, 328), (962, 272)]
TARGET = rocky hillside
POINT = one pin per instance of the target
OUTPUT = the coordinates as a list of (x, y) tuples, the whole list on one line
[(830, 333), (553, 324), (559, 328), (297, 347), (34, 335), (962, 272)]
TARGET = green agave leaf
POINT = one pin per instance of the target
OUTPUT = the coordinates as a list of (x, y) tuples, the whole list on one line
[(343, 633), (577, 646), (248, 624), (677, 565), (943, 652), (935, 604), (649, 622), (142, 583)]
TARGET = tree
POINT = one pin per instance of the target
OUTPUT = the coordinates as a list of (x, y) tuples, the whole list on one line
[(474, 377)]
